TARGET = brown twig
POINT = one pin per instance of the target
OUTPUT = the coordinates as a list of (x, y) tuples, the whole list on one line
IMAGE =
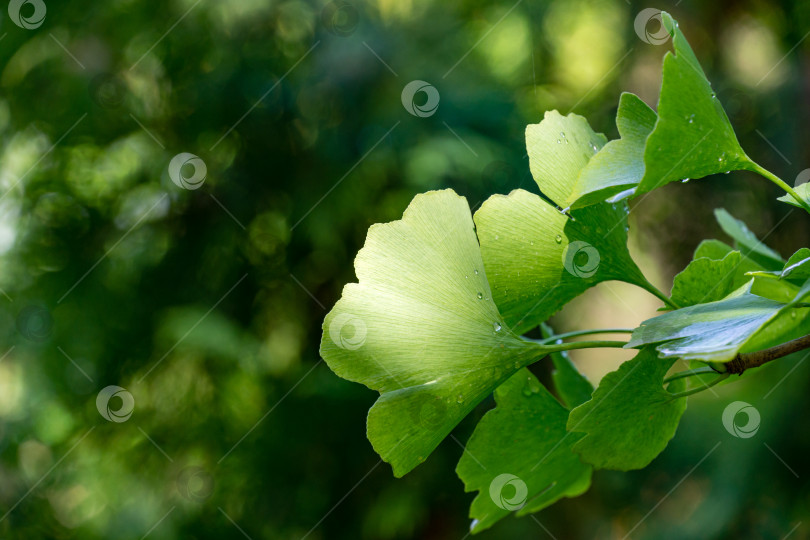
[(744, 361)]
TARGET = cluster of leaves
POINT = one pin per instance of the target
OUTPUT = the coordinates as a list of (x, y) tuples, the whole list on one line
[(443, 298)]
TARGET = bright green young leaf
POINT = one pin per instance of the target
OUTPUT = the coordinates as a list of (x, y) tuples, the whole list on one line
[(420, 327), (538, 259), (519, 457), (619, 165), (571, 386), (747, 241), (559, 147), (717, 250), (693, 137), (706, 280), (717, 331), (631, 417)]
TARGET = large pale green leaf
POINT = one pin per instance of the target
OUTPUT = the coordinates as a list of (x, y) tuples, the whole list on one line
[(519, 458), (571, 386), (748, 243), (421, 328), (693, 137), (538, 259), (631, 417), (619, 165), (705, 280), (718, 331)]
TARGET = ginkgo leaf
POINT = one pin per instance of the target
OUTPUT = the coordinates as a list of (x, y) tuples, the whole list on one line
[(747, 241), (559, 147), (693, 137), (705, 280), (717, 250), (618, 167), (718, 331), (538, 259), (631, 416), (571, 386), (519, 457), (421, 328), (690, 137)]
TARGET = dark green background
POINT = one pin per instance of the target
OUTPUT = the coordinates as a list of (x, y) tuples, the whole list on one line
[(235, 360)]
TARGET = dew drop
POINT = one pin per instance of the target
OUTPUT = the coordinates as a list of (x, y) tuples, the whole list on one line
[(558, 239), (460, 398), (685, 180), (480, 296), (517, 365), (562, 134), (474, 524), (476, 271), (559, 141), (497, 326), (792, 314)]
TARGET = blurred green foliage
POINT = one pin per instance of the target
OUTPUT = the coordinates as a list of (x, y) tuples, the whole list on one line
[(206, 305)]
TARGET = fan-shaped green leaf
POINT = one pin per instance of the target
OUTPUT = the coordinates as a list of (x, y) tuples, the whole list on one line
[(631, 417), (619, 166), (420, 327), (706, 280), (693, 137), (538, 259), (519, 457), (559, 147)]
